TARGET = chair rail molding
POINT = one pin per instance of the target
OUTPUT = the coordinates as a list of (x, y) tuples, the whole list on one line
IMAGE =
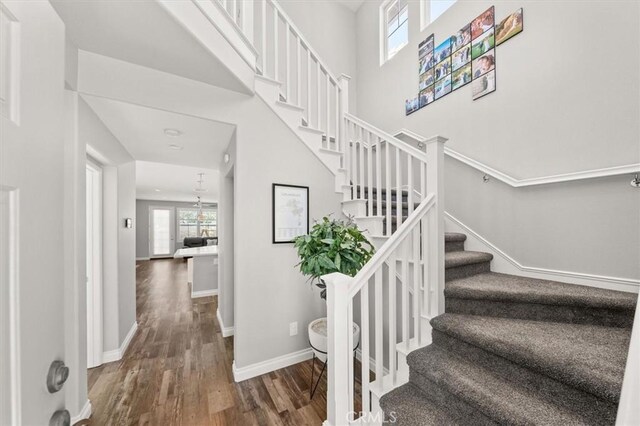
[(404, 134)]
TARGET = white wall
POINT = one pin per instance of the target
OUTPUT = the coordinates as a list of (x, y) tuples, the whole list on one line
[(556, 110), (226, 228), (329, 27)]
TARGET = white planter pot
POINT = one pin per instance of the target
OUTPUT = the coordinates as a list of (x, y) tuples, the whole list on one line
[(318, 337)]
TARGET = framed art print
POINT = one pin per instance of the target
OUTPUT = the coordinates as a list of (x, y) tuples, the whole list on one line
[(290, 212)]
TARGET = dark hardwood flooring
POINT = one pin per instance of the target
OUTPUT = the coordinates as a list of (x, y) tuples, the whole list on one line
[(177, 369)]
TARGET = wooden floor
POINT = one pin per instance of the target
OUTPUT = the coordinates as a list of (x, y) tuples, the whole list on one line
[(177, 369)]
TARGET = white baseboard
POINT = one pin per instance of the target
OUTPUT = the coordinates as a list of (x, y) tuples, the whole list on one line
[(84, 414), (372, 363), (142, 258), (203, 293), (226, 331), (505, 264), (117, 354), (264, 367)]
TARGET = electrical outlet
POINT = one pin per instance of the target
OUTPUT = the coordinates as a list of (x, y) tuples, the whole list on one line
[(293, 329)]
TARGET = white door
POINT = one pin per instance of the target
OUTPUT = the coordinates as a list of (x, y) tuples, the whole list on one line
[(161, 231), (31, 210)]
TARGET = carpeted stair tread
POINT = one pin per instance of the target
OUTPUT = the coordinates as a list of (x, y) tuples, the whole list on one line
[(494, 396), (408, 406), (511, 288), (450, 237), (455, 259), (590, 358)]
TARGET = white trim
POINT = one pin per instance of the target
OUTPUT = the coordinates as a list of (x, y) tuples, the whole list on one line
[(203, 293), (517, 183), (226, 331), (264, 367), (94, 284), (84, 414), (504, 263), (372, 362), (11, 278), (142, 258), (117, 354)]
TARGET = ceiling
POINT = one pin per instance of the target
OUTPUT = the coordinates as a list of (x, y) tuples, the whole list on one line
[(141, 131), (351, 4), (143, 33), (158, 181)]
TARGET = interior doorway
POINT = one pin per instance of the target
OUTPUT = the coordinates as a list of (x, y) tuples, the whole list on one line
[(94, 264), (161, 231)]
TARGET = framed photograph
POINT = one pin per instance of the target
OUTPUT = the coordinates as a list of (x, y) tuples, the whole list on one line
[(484, 63), (425, 63), (411, 105), (442, 87), (290, 212), (509, 26), (484, 85), (461, 77), (426, 96), (462, 38), (425, 46), (461, 58), (443, 51), (426, 79), (443, 69), (482, 44), (482, 23)]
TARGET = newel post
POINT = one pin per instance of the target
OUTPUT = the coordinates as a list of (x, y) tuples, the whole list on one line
[(435, 185), (338, 353)]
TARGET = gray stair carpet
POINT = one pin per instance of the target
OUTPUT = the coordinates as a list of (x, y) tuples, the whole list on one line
[(513, 350)]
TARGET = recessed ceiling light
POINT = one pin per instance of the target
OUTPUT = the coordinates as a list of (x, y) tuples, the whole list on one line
[(200, 189), (157, 190), (176, 147), (172, 132)]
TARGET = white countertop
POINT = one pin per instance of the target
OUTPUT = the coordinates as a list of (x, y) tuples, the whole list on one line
[(196, 252)]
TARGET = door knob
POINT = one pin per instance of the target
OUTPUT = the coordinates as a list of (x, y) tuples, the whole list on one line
[(60, 418), (58, 374)]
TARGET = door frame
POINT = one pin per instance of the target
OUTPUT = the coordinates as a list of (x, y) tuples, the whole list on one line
[(172, 231), (95, 316), (10, 308)]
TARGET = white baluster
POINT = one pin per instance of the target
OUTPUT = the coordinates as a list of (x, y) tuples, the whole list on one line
[(361, 131), (298, 72), (387, 159), (392, 317), (308, 87), (417, 297), (318, 98), (287, 53), (370, 172), (264, 37), (398, 189), (338, 129), (406, 314), (364, 338), (379, 175), (379, 327), (410, 183), (275, 43)]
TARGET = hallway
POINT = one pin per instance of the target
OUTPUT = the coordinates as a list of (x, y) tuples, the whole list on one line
[(177, 370)]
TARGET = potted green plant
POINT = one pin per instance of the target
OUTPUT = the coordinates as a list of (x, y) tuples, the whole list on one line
[(332, 245)]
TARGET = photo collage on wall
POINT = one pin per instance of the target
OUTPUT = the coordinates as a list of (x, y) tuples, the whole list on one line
[(468, 57)]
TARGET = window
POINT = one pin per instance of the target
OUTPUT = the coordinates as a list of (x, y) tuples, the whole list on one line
[(190, 226), (430, 10), (395, 21)]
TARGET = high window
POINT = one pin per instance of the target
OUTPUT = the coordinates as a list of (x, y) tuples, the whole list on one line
[(394, 16), (430, 10), (191, 225)]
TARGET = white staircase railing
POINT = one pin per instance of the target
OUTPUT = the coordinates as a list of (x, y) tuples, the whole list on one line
[(287, 57), (402, 287), (628, 410)]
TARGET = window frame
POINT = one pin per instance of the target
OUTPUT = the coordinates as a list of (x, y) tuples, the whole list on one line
[(198, 223), (425, 13), (384, 28)]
